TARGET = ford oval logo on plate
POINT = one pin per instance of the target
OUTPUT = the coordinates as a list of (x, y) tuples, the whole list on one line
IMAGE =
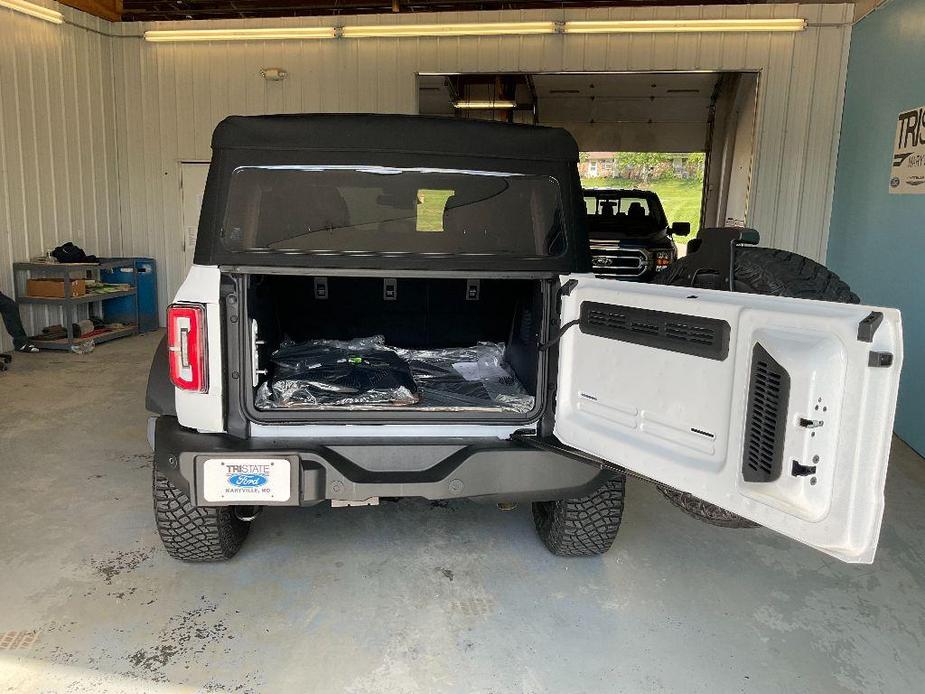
[(247, 481)]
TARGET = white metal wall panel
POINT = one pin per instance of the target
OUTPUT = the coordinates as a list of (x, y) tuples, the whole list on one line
[(66, 90), (58, 175), (824, 134), (192, 86)]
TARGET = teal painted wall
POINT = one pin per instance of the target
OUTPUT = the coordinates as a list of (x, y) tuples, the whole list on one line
[(877, 240)]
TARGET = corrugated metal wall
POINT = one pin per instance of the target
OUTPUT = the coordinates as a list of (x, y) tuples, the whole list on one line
[(57, 143), (171, 96), (164, 100)]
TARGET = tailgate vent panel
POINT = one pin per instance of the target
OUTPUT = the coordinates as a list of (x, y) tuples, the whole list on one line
[(766, 418), (675, 332)]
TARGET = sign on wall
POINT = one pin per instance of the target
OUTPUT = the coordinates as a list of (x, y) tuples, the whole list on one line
[(907, 175)]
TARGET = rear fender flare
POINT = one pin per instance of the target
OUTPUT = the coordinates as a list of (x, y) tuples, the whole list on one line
[(160, 397)]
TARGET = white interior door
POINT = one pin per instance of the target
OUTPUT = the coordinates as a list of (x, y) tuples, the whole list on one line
[(779, 410), (192, 186)]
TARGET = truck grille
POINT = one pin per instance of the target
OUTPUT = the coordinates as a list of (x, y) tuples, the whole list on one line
[(614, 261)]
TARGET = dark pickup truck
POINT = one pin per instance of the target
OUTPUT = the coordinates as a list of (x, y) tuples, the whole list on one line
[(629, 233)]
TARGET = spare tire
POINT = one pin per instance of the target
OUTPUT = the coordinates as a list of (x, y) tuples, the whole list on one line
[(760, 271), (781, 273)]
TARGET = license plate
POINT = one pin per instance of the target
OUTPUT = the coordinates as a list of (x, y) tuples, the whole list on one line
[(251, 480)]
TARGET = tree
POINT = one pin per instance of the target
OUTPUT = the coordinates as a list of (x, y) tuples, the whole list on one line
[(696, 163), (640, 165)]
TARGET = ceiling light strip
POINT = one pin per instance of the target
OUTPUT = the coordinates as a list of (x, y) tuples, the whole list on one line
[(33, 10), (485, 105), (654, 26), (269, 34), (424, 30), (473, 29)]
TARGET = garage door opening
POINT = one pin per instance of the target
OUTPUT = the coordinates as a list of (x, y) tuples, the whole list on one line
[(676, 177), (689, 136)]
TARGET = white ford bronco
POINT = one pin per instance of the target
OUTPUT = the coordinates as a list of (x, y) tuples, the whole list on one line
[(401, 306)]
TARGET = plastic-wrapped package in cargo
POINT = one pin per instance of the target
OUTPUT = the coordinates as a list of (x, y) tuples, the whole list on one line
[(366, 374), (333, 373), (467, 378)]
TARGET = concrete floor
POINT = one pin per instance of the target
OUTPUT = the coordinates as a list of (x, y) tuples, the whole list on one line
[(410, 596)]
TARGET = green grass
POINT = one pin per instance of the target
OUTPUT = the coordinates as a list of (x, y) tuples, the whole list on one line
[(680, 198), (430, 209)]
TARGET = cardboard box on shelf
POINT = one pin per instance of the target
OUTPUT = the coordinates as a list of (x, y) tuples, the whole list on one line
[(53, 287)]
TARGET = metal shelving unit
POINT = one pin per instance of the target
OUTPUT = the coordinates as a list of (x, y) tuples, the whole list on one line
[(70, 272)]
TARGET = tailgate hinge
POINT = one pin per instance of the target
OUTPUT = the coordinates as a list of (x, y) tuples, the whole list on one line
[(553, 445), (567, 288)]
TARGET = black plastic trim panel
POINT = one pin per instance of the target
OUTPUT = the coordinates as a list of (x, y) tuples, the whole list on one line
[(159, 396), (868, 326), (675, 332), (766, 418), (880, 359)]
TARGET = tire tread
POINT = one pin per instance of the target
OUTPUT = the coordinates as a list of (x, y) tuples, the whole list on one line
[(782, 273), (585, 526), (194, 533)]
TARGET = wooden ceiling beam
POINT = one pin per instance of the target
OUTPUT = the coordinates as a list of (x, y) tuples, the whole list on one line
[(106, 9)]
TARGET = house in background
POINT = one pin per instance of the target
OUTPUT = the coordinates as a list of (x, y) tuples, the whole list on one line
[(640, 166), (596, 165)]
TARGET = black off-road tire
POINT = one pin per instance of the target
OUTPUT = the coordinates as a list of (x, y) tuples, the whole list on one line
[(195, 533), (781, 273), (582, 527), (703, 510), (776, 273)]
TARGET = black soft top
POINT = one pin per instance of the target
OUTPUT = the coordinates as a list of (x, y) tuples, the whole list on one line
[(428, 135), (349, 139)]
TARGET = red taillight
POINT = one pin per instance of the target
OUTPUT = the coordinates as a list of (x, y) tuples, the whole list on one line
[(187, 348)]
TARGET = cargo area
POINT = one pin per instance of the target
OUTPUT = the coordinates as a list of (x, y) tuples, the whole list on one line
[(391, 345)]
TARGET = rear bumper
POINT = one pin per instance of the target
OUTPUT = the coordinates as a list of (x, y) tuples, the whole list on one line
[(356, 470)]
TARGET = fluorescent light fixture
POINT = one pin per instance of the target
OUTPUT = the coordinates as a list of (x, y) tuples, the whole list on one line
[(484, 105), (275, 34), (473, 29), (435, 30), (34, 10), (654, 26)]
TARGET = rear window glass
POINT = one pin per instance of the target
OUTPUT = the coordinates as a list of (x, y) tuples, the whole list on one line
[(608, 207), (390, 210), (431, 205)]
